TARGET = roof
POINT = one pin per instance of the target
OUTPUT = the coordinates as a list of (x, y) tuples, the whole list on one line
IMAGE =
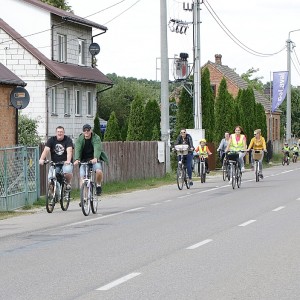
[(9, 78), (68, 16), (240, 83), (63, 71)]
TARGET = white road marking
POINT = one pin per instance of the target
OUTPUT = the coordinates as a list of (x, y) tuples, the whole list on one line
[(118, 282), (106, 216), (247, 223), (154, 204), (298, 199), (168, 200), (199, 244), (279, 208)]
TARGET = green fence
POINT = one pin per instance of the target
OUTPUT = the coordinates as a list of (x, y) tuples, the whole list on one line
[(19, 177)]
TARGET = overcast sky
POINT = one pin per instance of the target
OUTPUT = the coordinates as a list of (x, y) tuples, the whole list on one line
[(131, 46)]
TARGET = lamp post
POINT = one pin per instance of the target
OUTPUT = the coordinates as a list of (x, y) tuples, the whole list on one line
[(288, 103)]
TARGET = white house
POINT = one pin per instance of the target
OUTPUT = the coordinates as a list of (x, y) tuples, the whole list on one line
[(48, 48)]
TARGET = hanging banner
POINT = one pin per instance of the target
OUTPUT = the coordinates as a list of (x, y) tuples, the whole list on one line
[(280, 85)]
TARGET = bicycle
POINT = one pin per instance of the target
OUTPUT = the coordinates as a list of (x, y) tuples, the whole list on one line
[(286, 159), (202, 169), (57, 188), (257, 156), (225, 169), (295, 157), (235, 170), (88, 196), (181, 174), (196, 165)]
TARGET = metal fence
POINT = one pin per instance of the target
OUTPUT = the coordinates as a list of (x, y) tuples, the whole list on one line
[(19, 177)]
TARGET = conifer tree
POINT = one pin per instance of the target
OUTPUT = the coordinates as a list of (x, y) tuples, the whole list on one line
[(261, 119), (152, 119), (136, 120), (155, 134), (208, 118), (112, 132), (96, 128)]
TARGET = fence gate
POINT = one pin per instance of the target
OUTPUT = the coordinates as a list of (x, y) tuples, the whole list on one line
[(19, 177)]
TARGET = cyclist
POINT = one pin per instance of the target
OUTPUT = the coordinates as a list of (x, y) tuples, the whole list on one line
[(185, 139), (222, 147), (60, 147), (237, 142), (257, 143), (286, 150), (203, 150), (88, 147), (295, 149)]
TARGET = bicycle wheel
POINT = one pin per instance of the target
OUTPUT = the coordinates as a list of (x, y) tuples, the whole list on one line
[(64, 197), (180, 177), (94, 200), (233, 175), (238, 177), (283, 161), (202, 171), (50, 197), (256, 171), (224, 170), (85, 199), (287, 161), (186, 180)]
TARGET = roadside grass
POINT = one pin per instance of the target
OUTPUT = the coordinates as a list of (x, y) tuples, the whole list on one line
[(121, 187)]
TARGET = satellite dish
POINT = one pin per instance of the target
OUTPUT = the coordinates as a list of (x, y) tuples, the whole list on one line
[(19, 97), (94, 48)]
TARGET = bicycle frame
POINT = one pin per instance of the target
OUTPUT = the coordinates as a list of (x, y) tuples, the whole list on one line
[(202, 169), (182, 151)]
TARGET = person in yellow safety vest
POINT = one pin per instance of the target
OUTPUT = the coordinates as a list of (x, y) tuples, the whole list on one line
[(237, 142), (286, 150), (203, 150), (295, 149)]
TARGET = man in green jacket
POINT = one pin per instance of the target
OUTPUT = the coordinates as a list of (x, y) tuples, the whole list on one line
[(88, 147)]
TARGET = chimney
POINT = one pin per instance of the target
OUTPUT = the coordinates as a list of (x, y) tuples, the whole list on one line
[(218, 59)]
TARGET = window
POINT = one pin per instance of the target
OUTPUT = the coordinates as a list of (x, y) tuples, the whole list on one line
[(66, 102), (89, 104), (81, 52), (62, 48), (53, 101), (78, 103), (214, 90)]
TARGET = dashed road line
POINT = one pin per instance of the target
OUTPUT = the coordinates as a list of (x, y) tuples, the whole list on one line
[(279, 208), (118, 282), (199, 244), (247, 223)]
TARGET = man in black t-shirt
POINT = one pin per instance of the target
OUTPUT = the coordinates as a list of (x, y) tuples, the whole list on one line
[(61, 149)]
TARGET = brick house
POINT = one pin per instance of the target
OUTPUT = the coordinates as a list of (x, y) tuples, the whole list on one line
[(234, 83), (8, 114), (53, 58)]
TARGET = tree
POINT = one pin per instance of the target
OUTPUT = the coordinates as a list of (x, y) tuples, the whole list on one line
[(136, 120), (152, 119), (208, 118), (261, 119), (184, 117), (27, 131), (224, 111), (256, 82), (96, 128), (62, 4), (155, 133), (112, 132)]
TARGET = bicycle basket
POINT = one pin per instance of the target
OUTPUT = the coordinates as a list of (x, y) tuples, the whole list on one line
[(257, 155), (182, 149), (232, 156)]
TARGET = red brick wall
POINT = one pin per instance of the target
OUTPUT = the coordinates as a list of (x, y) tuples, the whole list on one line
[(7, 118)]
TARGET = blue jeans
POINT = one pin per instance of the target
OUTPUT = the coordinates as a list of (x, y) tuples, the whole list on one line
[(188, 160)]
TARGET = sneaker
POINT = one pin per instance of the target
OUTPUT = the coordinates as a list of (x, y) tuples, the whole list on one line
[(191, 182), (98, 190), (261, 176), (243, 169), (80, 203), (207, 171), (68, 187)]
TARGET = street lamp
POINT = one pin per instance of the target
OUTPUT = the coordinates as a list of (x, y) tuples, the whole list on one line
[(288, 103)]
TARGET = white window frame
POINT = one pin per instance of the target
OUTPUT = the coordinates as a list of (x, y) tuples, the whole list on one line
[(53, 101), (89, 101), (78, 103), (81, 52), (62, 47), (67, 108)]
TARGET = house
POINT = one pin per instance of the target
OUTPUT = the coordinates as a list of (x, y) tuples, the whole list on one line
[(49, 49), (8, 114), (234, 84)]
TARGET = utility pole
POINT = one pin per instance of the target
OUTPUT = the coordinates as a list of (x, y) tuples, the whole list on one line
[(288, 99), (165, 127)]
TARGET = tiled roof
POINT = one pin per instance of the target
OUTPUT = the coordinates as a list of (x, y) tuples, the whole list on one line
[(63, 71), (237, 80), (9, 78), (64, 14)]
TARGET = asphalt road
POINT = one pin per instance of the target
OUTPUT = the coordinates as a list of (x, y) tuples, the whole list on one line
[(210, 242)]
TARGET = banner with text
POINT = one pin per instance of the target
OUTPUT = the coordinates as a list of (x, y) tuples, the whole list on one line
[(280, 84)]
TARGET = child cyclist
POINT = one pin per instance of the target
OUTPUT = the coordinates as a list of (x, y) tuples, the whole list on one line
[(203, 150), (295, 149), (286, 150)]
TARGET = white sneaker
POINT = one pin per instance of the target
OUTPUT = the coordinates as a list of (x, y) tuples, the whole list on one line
[(243, 169)]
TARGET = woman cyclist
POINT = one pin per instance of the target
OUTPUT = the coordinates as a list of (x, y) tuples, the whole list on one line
[(258, 143), (237, 142)]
